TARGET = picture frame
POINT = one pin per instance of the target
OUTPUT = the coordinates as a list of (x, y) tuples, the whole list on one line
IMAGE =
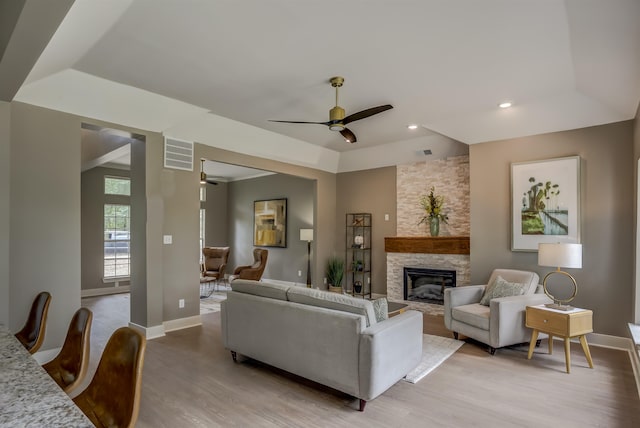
[(545, 202), (270, 223)]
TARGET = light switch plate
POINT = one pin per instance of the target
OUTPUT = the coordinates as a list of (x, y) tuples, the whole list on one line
[(167, 239)]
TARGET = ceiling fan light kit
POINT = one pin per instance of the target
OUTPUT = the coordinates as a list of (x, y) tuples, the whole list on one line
[(337, 120)]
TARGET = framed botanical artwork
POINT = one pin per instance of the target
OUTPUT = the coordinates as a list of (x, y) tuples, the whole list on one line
[(270, 223), (545, 202)]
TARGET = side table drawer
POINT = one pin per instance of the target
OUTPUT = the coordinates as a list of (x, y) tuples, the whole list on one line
[(547, 321)]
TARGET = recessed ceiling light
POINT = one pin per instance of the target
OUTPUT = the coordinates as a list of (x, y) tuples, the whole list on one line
[(505, 104), (412, 126)]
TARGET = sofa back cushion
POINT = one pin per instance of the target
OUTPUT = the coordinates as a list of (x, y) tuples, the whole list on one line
[(263, 289), (340, 302)]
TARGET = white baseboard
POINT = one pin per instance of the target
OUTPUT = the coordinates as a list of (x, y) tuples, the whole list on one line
[(92, 292), (156, 331), (180, 323), (149, 332)]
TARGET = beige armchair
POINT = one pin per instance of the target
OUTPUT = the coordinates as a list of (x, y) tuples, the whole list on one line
[(502, 323), (215, 262), (255, 270)]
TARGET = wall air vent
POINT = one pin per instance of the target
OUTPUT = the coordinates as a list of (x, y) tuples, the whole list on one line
[(178, 154)]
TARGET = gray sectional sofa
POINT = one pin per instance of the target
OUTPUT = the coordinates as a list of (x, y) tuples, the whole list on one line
[(329, 338)]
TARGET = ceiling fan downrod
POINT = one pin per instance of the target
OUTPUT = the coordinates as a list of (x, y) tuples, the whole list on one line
[(336, 114)]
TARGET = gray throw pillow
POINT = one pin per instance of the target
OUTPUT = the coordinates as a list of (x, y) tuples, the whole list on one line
[(501, 288), (381, 309)]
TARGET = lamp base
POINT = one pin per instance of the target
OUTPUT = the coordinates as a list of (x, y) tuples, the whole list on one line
[(559, 306)]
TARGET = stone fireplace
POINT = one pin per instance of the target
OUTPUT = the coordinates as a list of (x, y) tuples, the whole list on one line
[(449, 254), (427, 285), (413, 247)]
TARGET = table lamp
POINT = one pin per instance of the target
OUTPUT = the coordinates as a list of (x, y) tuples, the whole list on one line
[(307, 235), (560, 255)]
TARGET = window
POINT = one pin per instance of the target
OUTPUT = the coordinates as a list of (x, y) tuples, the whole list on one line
[(117, 186), (117, 239)]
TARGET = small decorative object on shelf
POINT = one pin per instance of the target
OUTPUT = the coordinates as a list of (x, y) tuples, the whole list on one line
[(358, 254), (432, 206), (357, 287)]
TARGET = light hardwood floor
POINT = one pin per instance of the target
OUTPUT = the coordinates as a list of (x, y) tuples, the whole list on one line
[(190, 380)]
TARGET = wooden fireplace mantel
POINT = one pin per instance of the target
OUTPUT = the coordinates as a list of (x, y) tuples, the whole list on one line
[(427, 244)]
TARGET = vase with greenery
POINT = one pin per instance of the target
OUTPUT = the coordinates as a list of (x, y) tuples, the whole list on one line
[(432, 205), (335, 272)]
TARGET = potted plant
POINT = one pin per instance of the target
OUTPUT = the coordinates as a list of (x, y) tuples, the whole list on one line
[(432, 206), (334, 273), (357, 265)]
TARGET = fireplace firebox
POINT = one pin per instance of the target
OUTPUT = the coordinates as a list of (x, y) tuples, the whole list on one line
[(427, 285)]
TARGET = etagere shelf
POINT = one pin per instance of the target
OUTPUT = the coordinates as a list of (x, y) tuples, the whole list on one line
[(358, 254)]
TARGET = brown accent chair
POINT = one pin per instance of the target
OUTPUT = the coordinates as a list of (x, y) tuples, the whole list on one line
[(32, 334), (69, 367), (255, 270), (215, 262), (112, 399)]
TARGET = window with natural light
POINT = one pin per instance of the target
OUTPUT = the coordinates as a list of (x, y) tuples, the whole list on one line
[(117, 231)]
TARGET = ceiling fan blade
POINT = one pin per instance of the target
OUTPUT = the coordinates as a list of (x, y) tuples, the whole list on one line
[(366, 113), (349, 136), (293, 121)]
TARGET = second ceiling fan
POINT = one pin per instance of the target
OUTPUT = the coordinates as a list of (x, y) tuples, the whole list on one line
[(337, 120)]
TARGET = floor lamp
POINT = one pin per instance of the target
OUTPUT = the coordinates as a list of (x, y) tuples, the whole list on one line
[(307, 235)]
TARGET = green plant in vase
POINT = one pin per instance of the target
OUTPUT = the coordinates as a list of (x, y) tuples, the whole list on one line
[(334, 272), (432, 205)]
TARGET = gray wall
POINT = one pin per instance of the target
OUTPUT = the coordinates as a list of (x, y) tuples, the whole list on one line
[(93, 200), (636, 254), (606, 280), (45, 216), (216, 222), (371, 191), (283, 263), (5, 178)]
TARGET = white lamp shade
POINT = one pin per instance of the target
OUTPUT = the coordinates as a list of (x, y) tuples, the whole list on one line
[(560, 255), (306, 234)]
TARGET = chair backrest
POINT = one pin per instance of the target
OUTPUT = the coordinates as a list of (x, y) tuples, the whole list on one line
[(519, 276), (255, 270), (214, 257), (113, 396), (69, 367), (32, 334)]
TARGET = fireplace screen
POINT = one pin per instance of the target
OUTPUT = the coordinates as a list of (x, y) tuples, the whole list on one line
[(427, 285)]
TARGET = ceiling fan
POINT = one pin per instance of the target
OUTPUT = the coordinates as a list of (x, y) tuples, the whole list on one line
[(337, 120)]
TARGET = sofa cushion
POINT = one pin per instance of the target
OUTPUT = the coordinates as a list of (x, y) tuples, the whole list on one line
[(381, 309), (263, 289), (474, 314), (340, 302), (501, 288)]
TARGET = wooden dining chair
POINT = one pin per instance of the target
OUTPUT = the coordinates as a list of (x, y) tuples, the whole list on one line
[(32, 334), (69, 367), (112, 399)]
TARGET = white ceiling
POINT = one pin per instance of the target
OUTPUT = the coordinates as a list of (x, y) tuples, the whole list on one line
[(206, 69)]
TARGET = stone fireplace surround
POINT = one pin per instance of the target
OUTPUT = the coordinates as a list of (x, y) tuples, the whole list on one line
[(451, 253)]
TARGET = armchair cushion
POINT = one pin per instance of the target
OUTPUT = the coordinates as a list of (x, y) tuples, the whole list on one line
[(501, 288), (473, 314)]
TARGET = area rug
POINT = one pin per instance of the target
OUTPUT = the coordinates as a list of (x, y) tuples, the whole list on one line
[(435, 350), (212, 303)]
